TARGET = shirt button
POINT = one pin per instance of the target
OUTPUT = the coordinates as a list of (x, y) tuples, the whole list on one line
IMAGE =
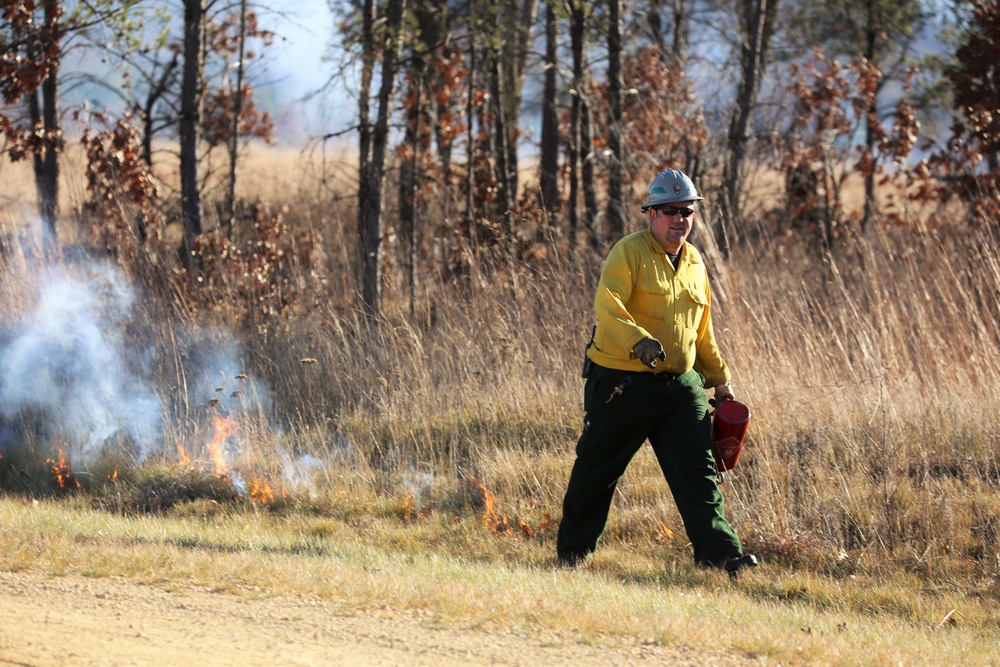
[(675, 345)]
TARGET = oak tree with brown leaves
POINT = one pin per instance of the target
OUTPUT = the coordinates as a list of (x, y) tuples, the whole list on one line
[(31, 43), (975, 139)]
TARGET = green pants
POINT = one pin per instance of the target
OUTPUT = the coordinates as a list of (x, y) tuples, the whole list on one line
[(672, 412)]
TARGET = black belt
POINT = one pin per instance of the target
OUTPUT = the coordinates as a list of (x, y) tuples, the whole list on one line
[(666, 377)]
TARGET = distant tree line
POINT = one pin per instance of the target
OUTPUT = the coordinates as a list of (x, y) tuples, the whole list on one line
[(816, 92), (177, 77)]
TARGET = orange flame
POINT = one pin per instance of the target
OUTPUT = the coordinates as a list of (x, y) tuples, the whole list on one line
[(408, 507), (261, 492), (61, 470), (257, 490), (491, 518), (182, 454), (223, 429), (410, 512), (113, 476), (665, 532)]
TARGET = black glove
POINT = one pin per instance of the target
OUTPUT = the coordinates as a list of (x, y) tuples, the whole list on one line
[(648, 350)]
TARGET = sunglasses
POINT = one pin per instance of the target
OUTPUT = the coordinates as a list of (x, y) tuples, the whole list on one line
[(671, 211)]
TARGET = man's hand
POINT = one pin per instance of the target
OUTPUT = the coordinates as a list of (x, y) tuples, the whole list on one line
[(648, 350), (724, 391)]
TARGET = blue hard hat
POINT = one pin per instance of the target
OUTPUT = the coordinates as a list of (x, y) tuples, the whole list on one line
[(668, 187)]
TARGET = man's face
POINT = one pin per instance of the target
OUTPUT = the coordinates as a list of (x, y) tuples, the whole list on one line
[(671, 224)]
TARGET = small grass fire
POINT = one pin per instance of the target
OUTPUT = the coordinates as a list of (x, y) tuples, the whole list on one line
[(60, 470), (497, 522), (222, 448), (195, 465), (222, 430)]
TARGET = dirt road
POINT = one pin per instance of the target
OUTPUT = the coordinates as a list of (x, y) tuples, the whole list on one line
[(82, 622)]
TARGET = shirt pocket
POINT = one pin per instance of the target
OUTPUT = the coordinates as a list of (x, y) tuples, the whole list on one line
[(695, 304), (651, 299)]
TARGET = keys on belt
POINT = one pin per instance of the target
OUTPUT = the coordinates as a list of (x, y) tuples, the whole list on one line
[(627, 380), (622, 386)]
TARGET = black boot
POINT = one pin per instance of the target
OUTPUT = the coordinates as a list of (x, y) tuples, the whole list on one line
[(571, 560), (737, 564)]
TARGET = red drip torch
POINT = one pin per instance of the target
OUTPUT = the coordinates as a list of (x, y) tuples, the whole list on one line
[(729, 430)]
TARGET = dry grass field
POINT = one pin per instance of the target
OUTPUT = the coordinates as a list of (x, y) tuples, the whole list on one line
[(290, 452)]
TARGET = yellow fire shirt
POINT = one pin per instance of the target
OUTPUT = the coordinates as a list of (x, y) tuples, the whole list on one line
[(640, 295)]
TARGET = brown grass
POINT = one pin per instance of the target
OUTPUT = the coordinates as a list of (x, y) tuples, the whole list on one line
[(871, 479)]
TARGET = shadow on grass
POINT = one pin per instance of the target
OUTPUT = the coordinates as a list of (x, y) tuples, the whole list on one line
[(312, 550)]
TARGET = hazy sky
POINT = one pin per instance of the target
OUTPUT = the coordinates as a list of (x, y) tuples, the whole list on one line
[(304, 31)]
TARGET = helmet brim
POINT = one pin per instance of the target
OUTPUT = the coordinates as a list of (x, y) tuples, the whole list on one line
[(670, 200)]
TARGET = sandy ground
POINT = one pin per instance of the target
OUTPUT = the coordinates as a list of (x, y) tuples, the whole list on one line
[(82, 622)]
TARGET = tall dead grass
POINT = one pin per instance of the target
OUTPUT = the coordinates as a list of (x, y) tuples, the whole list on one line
[(869, 374)]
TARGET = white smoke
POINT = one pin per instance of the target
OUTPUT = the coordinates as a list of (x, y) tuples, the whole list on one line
[(418, 485), (300, 472), (78, 372), (67, 362), (217, 377)]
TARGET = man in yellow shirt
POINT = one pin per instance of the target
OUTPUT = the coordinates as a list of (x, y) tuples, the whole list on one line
[(652, 356)]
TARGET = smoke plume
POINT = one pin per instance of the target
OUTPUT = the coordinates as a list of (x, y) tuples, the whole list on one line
[(65, 364)]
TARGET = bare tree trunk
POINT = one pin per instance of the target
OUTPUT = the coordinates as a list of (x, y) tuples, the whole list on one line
[(234, 129), (681, 34), (616, 175), (410, 221), (517, 17), (579, 17), (155, 94), (428, 25), (655, 22), (191, 96), (43, 111), (675, 53), (505, 183), (370, 213), (505, 199), (432, 21), (871, 117), (45, 160), (587, 178), (576, 30), (369, 275), (757, 21), (409, 168), (50, 161), (470, 153), (549, 179)]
